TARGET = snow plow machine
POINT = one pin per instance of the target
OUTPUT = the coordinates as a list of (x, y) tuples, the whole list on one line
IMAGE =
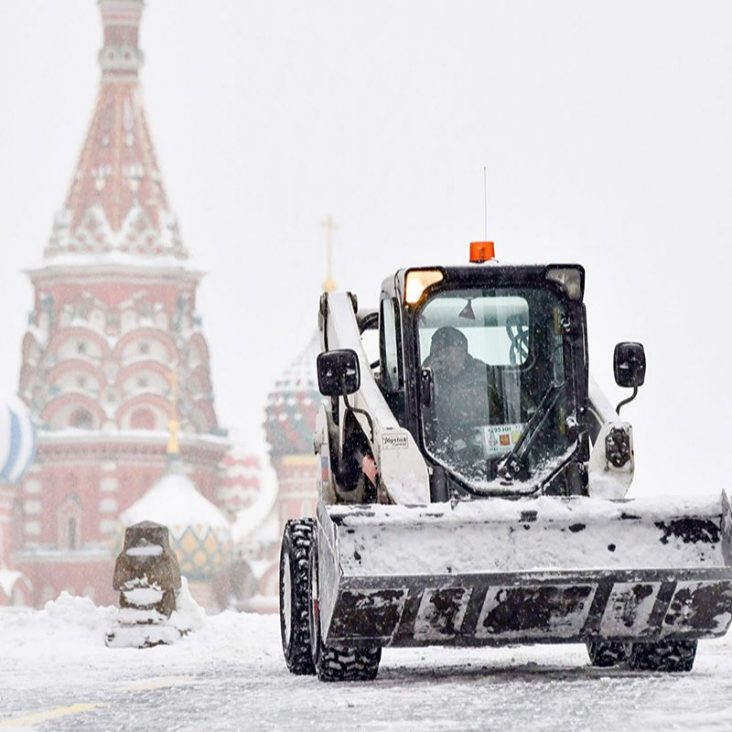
[(473, 487)]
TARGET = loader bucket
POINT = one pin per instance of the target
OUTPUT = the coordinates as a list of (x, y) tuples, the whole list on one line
[(496, 571)]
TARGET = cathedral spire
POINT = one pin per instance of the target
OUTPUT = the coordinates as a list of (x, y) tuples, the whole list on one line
[(116, 206), (121, 57)]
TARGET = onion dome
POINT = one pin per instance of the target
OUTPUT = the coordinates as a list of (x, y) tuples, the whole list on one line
[(199, 531), (293, 405), (17, 440)]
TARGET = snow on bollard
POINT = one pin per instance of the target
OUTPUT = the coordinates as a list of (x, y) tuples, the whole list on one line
[(148, 578)]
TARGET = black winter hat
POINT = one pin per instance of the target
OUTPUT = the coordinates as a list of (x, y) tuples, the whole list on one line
[(445, 337)]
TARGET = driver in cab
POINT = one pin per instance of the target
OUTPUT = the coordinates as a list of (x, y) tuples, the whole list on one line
[(465, 396)]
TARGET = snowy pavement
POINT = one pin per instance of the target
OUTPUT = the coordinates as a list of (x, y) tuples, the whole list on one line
[(56, 674)]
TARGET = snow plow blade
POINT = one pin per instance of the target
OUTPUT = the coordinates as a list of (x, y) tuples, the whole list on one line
[(496, 571)]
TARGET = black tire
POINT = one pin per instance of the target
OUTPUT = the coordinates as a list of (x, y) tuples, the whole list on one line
[(604, 654), (336, 663), (294, 604), (668, 656), (348, 664)]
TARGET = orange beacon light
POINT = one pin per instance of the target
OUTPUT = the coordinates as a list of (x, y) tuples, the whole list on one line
[(482, 251)]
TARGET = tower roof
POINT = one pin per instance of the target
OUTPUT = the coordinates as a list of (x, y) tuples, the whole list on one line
[(116, 206)]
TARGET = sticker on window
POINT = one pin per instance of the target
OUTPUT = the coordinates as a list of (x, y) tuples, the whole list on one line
[(501, 438)]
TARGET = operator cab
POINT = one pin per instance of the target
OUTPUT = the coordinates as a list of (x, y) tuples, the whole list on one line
[(488, 358), (497, 363)]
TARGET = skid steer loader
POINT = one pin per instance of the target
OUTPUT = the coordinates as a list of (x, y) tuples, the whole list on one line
[(473, 486)]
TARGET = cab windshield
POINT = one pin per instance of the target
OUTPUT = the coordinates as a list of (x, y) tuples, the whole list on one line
[(493, 386)]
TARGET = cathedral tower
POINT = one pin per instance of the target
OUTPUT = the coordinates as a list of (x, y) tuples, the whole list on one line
[(114, 318)]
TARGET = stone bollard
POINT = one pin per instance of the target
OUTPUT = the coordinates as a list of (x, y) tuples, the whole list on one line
[(147, 576)]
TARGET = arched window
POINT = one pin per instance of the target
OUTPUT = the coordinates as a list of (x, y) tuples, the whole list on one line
[(82, 419), (142, 419)]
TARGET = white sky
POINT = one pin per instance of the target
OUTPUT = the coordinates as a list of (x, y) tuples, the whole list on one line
[(606, 129)]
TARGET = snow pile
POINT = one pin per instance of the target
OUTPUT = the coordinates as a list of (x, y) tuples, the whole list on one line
[(144, 627), (71, 630), (188, 615), (66, 628)]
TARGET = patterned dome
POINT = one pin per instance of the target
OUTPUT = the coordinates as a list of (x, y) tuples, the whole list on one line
[(293, 405), (199, 531), (17, 440)]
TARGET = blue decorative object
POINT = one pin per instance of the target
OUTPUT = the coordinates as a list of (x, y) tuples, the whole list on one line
[(17, 440)]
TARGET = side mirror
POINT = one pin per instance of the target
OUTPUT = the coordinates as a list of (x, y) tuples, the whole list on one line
[(338, 373), (629, 364)]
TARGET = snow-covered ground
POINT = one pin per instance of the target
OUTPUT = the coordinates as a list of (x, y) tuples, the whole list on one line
[(56, 673)]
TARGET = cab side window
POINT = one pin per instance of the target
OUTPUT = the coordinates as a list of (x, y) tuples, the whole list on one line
[(391, 372)]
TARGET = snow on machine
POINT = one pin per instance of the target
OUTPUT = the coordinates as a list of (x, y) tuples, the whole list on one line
[(473, 487)]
